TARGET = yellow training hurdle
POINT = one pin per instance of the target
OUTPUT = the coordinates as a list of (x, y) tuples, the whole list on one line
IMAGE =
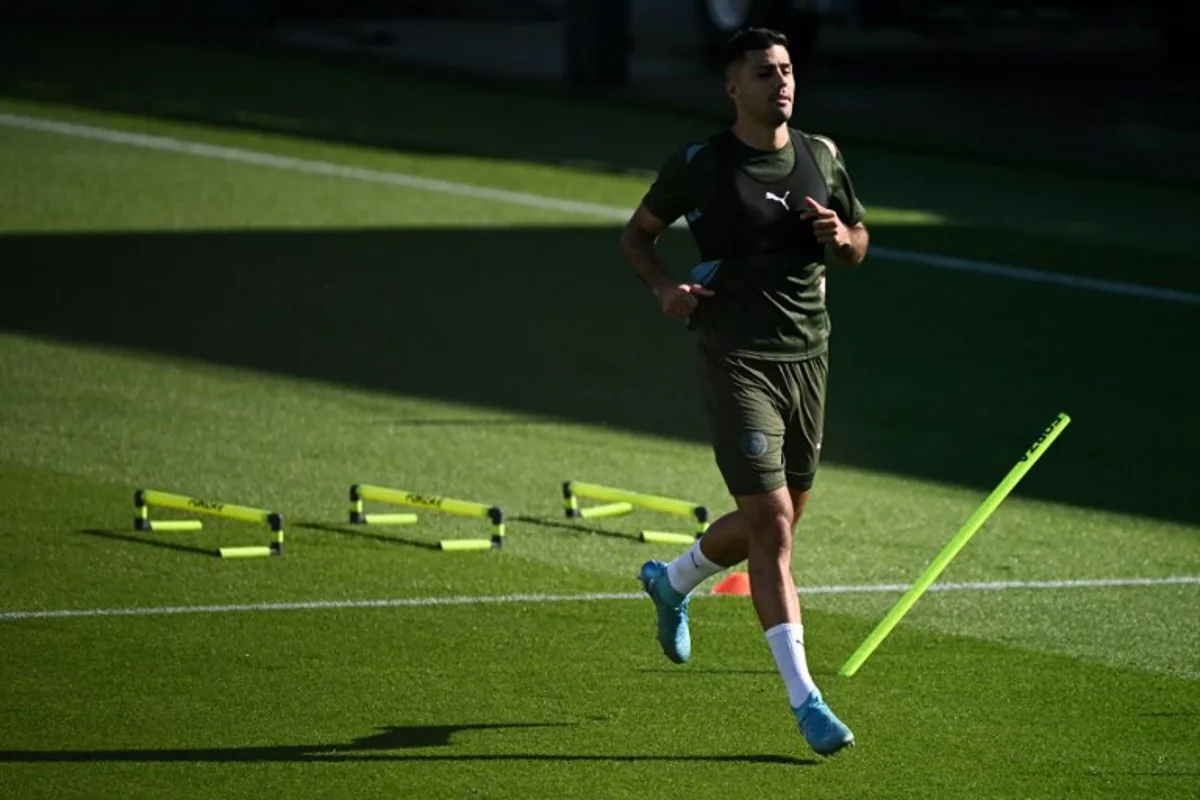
[(361, 492), (619, 502), (144, 499)]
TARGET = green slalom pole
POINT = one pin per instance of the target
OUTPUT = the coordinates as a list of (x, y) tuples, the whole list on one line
[(952, 547)]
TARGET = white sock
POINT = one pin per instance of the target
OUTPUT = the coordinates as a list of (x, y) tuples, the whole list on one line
[(787, 645), (690, 570)]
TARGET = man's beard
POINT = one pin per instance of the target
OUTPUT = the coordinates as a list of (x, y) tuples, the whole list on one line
[(776, 116)]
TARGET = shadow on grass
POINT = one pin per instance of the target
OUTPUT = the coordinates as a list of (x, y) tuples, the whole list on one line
[(573, 527), (766, 758), (704, 671), (389, 738), (950, 385), (468, 422), (125, 537), (360, 532)]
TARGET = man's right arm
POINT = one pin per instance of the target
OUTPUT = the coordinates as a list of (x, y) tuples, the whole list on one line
[(668, 199), (639, 246)]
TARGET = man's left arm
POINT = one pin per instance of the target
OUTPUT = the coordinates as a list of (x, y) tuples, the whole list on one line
[(846, 244), (841, 227), (851, 248)]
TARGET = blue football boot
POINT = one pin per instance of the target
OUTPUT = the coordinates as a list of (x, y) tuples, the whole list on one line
[(672, 609), (824, 732)]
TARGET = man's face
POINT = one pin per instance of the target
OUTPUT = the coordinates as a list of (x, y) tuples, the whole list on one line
[(762, 86)]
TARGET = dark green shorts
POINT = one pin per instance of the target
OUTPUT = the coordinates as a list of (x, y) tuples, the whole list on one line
[(766, 420)]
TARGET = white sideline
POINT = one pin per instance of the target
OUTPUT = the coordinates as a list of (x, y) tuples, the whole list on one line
[(409, 602), (261, 159)]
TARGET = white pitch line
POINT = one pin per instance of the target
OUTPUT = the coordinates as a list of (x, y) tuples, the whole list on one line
[(314, 167), (1037, 276), (409, 602), (310, 166)]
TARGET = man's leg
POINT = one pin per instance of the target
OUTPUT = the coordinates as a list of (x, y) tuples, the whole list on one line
[(670, 585), (770, 520), (746, 403), (726, 541), (747, 438), (804, 385), (769, 539), (725, 544), (761, 531)]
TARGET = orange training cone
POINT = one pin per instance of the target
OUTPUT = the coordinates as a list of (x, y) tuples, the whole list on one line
[(738, 583)]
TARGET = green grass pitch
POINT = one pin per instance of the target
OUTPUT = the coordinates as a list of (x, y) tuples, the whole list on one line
[(268, 337)]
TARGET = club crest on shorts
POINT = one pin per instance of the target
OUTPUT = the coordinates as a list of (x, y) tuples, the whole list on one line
[(754, 443)]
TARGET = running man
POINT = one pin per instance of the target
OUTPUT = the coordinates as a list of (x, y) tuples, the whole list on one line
[(768, 206)]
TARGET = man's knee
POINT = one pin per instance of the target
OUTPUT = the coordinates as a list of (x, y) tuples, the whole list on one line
[(799, 502), (769, 520)]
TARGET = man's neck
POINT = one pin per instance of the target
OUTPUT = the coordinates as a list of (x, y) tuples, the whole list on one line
[(760, 137)]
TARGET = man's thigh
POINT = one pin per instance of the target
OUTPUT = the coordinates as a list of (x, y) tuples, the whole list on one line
[(746, 425), (804, 419)]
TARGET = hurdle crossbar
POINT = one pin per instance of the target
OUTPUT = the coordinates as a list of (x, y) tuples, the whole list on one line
[(144, 499), (618, 502), (362, 492)]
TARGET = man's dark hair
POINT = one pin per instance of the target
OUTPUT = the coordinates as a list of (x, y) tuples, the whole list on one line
[(747, 40)]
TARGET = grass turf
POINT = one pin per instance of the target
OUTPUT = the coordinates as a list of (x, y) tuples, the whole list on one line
[(565, 701), (269, 338)]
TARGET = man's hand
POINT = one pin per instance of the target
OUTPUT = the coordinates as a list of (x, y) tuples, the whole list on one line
[(830, 230), (678, 301), (639, 246), (848, 243)]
